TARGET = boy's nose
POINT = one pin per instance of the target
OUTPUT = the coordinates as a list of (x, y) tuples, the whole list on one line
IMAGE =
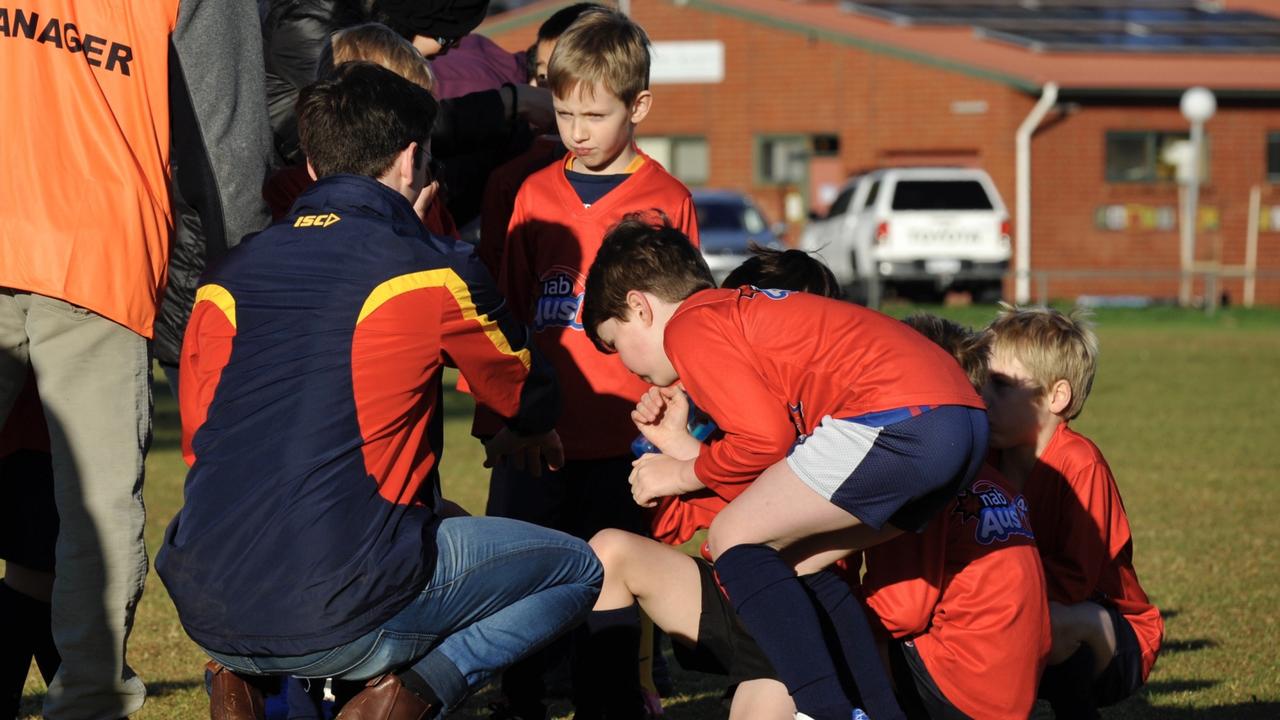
[(579, 130)]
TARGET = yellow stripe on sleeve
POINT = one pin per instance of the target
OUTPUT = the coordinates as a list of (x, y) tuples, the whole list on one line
[(448, 279), (221, 298)]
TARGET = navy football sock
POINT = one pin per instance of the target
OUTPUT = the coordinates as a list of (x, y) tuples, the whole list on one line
[(15, 658), (857, 643), (775, 608)]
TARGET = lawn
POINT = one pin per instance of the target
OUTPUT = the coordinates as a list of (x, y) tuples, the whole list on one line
[(1185, 409)]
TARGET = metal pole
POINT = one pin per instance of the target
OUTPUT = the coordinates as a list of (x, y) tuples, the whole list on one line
[(1022, 209), (1193, 199), (1251, 247)]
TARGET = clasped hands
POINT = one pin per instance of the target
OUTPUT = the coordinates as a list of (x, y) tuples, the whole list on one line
[(662, 415)]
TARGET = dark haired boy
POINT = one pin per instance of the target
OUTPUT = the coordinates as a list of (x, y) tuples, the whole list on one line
[(314, 540), (829, 385)]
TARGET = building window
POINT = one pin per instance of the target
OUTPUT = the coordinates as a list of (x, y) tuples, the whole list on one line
[(782, 159), (1148, 156), (1273, 157), (688, 158)]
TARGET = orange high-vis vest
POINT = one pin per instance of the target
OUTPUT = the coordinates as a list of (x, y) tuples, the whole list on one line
[(84, 183)]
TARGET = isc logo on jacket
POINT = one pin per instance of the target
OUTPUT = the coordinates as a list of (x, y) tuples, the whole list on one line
[(323, 220), (559, 301)]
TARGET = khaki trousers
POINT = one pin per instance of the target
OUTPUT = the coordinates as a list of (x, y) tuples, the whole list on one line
[(94, 378)]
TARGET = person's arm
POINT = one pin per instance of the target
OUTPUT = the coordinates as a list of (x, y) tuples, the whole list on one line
[(1082, 547), (495, 352), (720, 378), (221, 135), (206, 349)]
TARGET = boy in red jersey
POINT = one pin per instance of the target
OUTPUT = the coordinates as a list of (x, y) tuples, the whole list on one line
[(1106, 633), (881, 424), (963, 602), (599, 77)]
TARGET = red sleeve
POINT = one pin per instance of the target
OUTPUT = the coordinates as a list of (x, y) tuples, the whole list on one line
[(719, 376), (206, 349), (495, 353), (1089, 516), (687, 220), (496, 210), (679, 517)]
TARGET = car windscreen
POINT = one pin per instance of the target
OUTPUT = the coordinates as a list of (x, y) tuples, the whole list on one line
[(940, 195), (729, 216)]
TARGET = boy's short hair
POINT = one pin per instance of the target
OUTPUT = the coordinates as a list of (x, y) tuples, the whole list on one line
[(603, 46), (970, 348), (784, 270), (380, 45), (1052, 346), (361, 119), (642, 252)]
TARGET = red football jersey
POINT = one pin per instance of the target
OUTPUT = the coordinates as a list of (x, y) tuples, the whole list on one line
[(969, 592), (768, 365), (551, 244), (1083, 534)]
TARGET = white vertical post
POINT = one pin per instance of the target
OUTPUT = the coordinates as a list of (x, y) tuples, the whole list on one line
[(1251, 246), (1022, 206), (1197, 105)]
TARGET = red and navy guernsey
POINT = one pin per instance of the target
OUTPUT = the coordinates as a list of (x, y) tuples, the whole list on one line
[(310, 398)]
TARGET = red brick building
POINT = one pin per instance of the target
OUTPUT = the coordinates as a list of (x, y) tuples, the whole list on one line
[(785, 99)]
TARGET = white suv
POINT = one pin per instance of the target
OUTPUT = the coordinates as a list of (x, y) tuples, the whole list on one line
[(940, 228)]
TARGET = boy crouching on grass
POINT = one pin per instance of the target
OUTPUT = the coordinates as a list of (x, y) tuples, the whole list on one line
[(1106, 633), (881, 426)]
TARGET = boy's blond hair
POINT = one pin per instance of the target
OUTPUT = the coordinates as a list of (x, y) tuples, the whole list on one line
[(970, 348), (380, 45), (602, 46), (1052, 346)]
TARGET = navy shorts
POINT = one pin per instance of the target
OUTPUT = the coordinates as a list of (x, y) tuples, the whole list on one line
[(918, 694), (724, 647), (1070, 686), (898, 467)]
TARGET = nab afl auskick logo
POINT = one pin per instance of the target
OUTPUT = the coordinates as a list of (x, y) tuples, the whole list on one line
[(560, 302)]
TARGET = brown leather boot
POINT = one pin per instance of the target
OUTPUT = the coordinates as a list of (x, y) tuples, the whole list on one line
[(386, 698), (231, 697)]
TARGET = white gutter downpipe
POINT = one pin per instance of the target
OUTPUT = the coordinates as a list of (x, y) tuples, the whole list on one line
[(1022, 243)]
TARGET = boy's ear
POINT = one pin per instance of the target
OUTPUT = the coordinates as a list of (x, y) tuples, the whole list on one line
[(638, 305), (404, 163), (640, 106), (1059, 397), (311, 171)]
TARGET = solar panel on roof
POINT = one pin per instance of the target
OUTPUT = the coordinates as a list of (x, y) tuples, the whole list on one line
[(1082, 26)]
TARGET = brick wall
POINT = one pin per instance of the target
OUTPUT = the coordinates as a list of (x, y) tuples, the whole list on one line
[(888, 110)]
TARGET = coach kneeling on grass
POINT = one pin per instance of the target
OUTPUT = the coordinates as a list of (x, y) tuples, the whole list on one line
[(313, 540)]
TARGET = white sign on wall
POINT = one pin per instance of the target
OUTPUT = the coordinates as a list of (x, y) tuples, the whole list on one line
[(686, 61)]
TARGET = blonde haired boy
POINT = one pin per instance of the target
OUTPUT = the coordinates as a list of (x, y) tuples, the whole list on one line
[(1106, 633), (599, 79)]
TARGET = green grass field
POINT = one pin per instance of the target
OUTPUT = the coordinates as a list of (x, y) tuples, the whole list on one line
[(1184, 407)]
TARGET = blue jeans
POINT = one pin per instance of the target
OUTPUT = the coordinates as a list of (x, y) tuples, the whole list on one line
[(501, 590)]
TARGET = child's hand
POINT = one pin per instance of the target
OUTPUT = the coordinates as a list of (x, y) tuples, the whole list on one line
[(654, 476), (662, 415), (526, 452)]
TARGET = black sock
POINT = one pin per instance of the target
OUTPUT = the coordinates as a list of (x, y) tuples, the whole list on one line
[(606, 679), (15, 657), (857, 643), (418, 686), (778, 612)]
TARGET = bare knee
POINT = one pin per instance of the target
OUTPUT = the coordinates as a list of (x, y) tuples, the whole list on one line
[(610, 546), (762, 700)]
